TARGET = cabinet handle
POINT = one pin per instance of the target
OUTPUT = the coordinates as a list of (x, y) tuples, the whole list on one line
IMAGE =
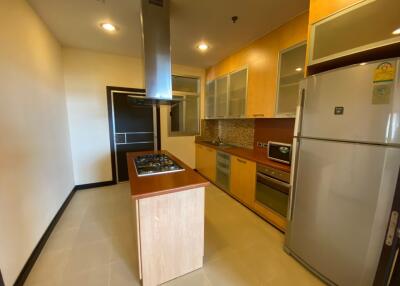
[(258, 115), (241, 161)]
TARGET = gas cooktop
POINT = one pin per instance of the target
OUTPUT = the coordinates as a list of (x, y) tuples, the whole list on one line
[(155, 164)]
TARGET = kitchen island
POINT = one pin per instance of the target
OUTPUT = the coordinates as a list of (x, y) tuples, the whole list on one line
[(169, 219)]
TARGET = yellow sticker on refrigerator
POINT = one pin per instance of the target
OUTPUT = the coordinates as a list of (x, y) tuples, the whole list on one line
[(384, 72)]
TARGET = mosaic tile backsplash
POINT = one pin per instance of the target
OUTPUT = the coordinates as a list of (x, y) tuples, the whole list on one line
[(247, 132), (238, 132)]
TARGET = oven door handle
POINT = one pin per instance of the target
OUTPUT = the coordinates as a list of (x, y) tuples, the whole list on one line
[(275, 181)]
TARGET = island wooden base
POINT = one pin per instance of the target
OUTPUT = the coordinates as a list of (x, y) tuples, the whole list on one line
[(170, 235)]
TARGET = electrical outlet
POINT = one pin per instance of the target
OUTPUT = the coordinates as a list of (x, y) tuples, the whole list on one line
[(265, 145), (259, 144)]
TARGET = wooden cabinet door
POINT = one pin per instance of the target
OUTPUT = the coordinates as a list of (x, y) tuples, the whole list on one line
[(261, 89), (243, 180), (210, 158), (199, 158), (206, 161)]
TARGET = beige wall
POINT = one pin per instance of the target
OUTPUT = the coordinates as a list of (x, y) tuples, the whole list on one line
[(35, 157), (87, 74)]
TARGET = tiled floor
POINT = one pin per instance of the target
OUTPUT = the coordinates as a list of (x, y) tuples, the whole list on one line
[(93, 244)]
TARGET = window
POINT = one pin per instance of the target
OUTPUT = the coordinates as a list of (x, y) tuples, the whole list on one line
[(185, 111)]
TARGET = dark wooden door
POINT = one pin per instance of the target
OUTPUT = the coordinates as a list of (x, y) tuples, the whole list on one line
[(135, 129), (1, 280), (388, 272)]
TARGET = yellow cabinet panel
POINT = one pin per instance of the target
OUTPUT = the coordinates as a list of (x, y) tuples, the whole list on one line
[(206, 161), (320, 9), (243, 180)]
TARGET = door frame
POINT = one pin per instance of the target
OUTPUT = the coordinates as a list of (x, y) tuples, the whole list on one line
[(138, 92), (1, 279)]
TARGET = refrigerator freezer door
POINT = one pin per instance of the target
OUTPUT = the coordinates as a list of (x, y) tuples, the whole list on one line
[(354, 104), (342, 199)]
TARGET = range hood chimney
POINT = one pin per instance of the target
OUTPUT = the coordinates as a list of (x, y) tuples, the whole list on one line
[(156, 50)]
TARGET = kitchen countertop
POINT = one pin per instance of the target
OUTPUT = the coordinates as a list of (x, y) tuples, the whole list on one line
[(249, 154), (155, 185)]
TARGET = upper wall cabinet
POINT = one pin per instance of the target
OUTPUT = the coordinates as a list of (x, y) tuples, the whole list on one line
[(210, 100), (221, 97), (291, 65), (227, 95), (237, 93), (364, 26)]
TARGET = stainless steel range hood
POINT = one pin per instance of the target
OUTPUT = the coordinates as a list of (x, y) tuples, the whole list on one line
[(156, 50)]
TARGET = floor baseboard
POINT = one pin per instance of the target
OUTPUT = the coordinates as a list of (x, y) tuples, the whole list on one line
[(94, 185), (42, 242), (39, 247)]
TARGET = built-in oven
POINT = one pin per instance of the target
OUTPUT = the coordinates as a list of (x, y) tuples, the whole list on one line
[(273, 189)]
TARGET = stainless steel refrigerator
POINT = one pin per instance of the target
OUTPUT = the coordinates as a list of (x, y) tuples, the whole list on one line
[(345, 173)]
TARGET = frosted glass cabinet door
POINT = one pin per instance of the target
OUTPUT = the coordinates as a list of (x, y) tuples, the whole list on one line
[(210, 100), (221, 99), (237, 93), (364, 26), (291, 65)]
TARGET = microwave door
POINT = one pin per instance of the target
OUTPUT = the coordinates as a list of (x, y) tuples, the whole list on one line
[(280, 152)]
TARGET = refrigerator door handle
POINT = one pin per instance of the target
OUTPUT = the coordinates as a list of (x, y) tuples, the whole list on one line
[(299, 109), (293, 177), (302, 99), (392, 228), (296, 147)]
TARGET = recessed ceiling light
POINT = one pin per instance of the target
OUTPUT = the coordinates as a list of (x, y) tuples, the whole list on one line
[(363, 64), (108, 27), (396, 32), (202, 47), (299, 69)]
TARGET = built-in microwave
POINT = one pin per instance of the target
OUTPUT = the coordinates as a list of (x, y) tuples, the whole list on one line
[(280, 152)]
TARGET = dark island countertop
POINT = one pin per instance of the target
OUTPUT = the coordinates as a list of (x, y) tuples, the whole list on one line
[(252, 155), (149, 186)]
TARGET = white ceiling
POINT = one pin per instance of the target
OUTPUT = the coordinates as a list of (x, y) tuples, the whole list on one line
[(76, 24)]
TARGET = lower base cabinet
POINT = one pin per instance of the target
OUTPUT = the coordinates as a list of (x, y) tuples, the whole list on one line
[(206, 161), (243, 180), (242, 184), (172, 244)]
